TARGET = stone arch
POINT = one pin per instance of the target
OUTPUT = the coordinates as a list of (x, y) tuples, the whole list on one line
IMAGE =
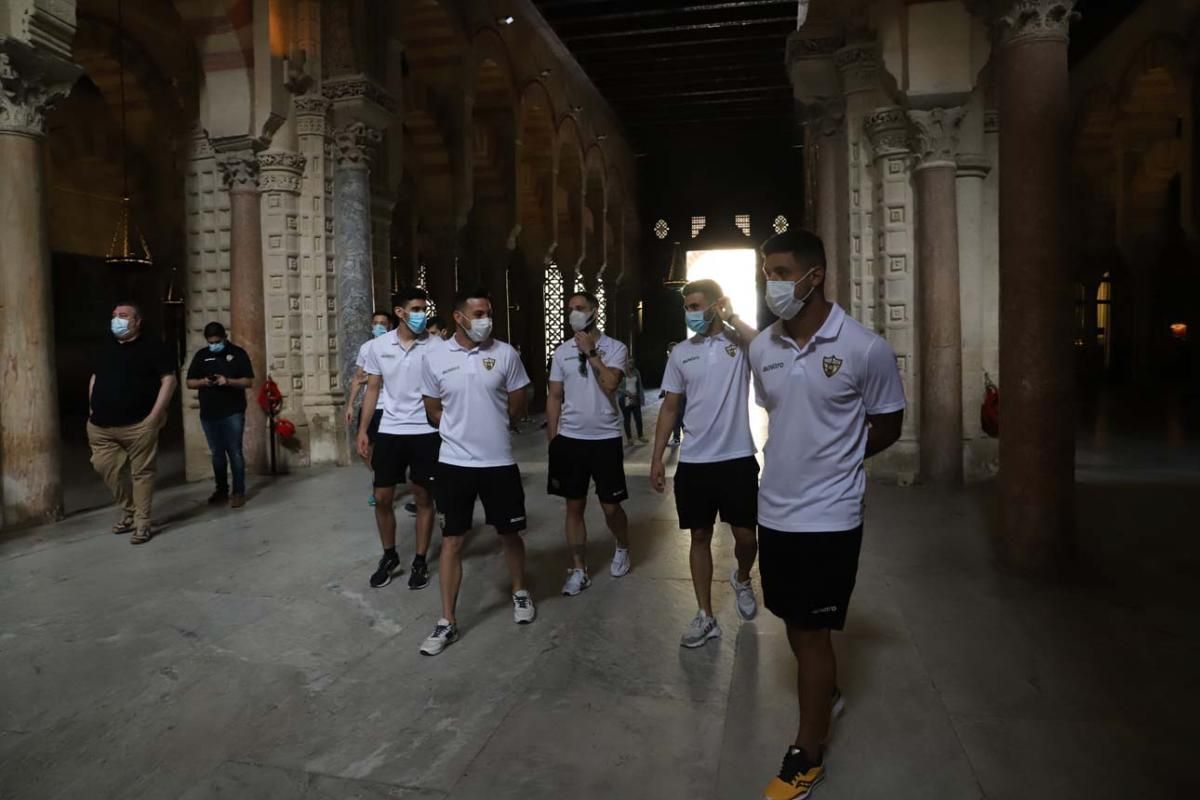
[(596, 206), (223, 34), (433, 40), (569, 176), (1093, 178), (535, 170)]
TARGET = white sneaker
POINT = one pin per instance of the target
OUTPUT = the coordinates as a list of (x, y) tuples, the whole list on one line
[(747, 606), (700, 630), (620, 562), (577, 581), (445, 633), (523, 610)]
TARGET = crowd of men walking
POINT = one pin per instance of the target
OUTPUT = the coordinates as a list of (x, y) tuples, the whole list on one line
[(436, 413)]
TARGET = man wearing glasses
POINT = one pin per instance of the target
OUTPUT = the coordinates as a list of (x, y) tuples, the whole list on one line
[(583, 425)]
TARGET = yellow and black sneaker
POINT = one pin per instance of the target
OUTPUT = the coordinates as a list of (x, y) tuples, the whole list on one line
[(797, 777)]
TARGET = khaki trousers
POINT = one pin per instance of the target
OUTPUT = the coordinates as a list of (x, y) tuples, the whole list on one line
[(135, 446)]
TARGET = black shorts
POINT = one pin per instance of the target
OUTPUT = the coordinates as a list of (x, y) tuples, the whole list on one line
[(729, 488), (373, 425), (396, 454), (807, 578), (576, 462), (498, 488)]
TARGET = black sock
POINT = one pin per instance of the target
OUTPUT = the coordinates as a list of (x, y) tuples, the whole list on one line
[(418, 559), (390, 552)]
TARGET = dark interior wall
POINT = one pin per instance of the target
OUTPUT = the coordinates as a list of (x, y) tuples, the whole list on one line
[(754, 168)]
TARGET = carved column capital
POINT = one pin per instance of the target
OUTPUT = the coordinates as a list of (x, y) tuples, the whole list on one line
[(31, 82), (888, 130), (281, 171), (1019, 21), (935, 134), (312, 113), (973, 165), (859, 65), (353, 144), (238, 165)]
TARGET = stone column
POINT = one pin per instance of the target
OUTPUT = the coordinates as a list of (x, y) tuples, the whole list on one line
[(893, 287), (828, 120), (1037, 434), (980, 451), (352, 239), (238, 162), (939, 317), (31, 490)]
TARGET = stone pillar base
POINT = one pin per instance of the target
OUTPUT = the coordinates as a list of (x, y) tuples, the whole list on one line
[(981, 459), (900, 463)]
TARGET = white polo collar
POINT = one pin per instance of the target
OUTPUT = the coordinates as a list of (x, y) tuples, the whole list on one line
[(829, 331)]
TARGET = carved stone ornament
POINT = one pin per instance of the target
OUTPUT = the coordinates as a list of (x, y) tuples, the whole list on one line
[(353, 144), (827, 116), (888, 130), (31, 82), (1021, 21), (991, 121), (935, 134), (239, 169), (281, 171), (859, 65), (803, 45), (312, 113), (358, 88)]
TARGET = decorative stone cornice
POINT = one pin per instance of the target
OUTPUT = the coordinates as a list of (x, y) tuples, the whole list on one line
[(888, 130), (859, 65), (973, 165), (48, 25), (237, 160), (935, 134), (991, 121), (803, 45), (358, 88), (31, 82), (281, 171), (312, 113), (353, 144), (1019, 21)]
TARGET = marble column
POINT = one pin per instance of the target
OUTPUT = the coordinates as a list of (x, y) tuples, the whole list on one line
[(352, 239), (829, 139), (939, 314), (979, 450), (1037, 434), (31, 485), (238, 162)]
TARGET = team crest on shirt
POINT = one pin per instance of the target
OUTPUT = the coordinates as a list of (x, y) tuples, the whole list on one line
[(488, 363), (731, 349), (831, 365)]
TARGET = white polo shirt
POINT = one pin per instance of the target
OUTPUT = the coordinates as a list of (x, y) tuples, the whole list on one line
[(588, 412), (473, 386), (403, 374), (713, 373), (817, 400), (361, 359)]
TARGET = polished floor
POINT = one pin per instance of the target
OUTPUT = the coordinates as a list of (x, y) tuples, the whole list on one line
[(242, 655)]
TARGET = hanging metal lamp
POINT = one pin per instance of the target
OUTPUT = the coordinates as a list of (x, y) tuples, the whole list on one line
[(128, 246)]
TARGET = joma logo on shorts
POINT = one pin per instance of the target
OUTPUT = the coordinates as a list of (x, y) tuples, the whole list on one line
[(776, 365)]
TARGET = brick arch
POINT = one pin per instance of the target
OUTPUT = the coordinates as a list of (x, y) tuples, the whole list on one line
[(568, 181), (535, 167), (222, 31), (596, 205)]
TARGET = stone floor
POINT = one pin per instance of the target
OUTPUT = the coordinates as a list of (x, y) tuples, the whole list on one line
[(242, 655)]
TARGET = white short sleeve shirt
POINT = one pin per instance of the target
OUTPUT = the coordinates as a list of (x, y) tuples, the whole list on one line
[(588, 412), (473, 385), (403, 374), (817, 400), (361, 359), (713, 373)]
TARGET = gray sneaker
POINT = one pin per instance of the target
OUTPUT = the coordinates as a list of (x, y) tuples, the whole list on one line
[(700, 630), (747, 605)]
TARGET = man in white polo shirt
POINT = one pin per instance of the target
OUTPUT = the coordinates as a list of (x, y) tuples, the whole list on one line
[(833, 397), (717, 470), (474, 390), (381, 324), (406, 446), (583, 425)]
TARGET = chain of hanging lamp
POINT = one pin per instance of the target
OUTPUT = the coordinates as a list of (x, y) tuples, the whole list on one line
[(127, 236)]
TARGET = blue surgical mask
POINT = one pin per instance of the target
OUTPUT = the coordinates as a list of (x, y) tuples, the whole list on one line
[(416, 321), (378, 330), (216, 347), (119, 326), (697, 321)]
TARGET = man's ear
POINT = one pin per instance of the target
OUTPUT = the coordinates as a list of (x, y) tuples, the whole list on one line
[(819, 276)]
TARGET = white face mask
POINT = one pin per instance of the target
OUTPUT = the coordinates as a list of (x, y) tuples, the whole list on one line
[(581, 320), (781, 297), (479, 330)]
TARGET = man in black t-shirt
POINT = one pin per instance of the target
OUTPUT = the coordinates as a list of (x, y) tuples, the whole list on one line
[(133, 378), (222, 373)]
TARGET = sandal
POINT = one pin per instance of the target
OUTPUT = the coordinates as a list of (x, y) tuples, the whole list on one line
[(141, 537), (124, 526)]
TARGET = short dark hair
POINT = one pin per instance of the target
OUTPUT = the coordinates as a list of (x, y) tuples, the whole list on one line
[(407, 295), (709, 288), (463, 296), (137, 307), (592, 300), (379, 312), (806, 247), (435, 322), (214, 329)]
